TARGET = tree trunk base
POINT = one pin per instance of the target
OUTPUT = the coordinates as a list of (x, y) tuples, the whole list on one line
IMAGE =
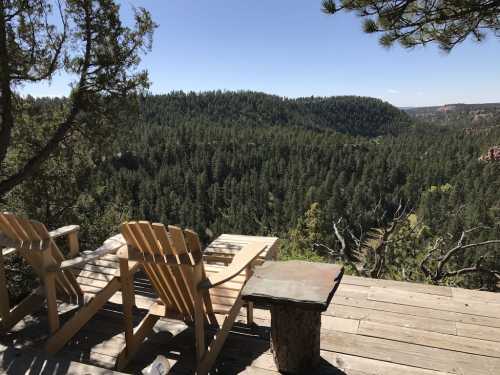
[(295, 339)]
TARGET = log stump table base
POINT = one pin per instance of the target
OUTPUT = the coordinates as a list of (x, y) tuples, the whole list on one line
[(295, 338), (297, 292)]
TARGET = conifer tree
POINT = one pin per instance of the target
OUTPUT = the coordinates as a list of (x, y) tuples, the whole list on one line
[(419, 22), (84, 39)]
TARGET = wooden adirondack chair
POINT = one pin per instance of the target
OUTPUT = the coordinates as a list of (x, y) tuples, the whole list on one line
[(59, 276), (188, 289)]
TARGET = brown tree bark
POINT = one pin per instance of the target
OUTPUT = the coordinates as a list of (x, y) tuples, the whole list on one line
[(6, 118), (295, 339)]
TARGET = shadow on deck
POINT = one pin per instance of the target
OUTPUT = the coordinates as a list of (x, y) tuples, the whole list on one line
[(372, 327)]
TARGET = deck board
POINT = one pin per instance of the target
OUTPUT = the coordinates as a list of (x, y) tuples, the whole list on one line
[(372, 327)]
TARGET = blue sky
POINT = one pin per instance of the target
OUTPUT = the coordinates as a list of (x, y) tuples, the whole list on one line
[(290, 48)]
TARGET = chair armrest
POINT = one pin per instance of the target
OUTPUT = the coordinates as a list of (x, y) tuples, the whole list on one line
[(10, 250), (64, 231), (7, 246), (111, 245), (241, 260), (71, 233)]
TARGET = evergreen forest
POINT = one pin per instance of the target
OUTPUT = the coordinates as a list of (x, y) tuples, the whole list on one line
[(338, 179)]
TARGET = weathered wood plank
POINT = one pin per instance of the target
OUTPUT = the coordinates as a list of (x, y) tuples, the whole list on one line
[(352, 365), (479, 332), (230, 244), (414, 311), (421, 338), (476, 295), (33, 363), (399, 285), (432, 339), (408, 354), (352, 291), (338, 363), (339, 324), (433, 302), (396, 319), (341, 300)]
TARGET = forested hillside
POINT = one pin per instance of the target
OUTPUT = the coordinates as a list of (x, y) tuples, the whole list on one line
[(317, 172), (345, 114), (459, 115)]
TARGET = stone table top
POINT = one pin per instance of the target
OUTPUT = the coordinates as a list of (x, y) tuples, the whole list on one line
[(307, 285)]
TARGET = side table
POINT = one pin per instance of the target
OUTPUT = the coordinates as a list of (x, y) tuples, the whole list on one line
[(298, 292)]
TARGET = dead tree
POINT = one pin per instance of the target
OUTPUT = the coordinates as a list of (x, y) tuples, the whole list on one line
[(437, 263), (365, 251)]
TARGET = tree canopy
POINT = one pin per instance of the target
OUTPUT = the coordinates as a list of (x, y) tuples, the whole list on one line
[(250, 163), (419, 22), (82, 38)]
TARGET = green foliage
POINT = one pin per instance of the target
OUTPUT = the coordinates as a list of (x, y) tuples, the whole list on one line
[(412, 23), (405, 252), (289, 251), (84, 39), (446, 188), (476, 117), (301, 240), (63, 191), (20, 278), (256, 164), (346, 114)]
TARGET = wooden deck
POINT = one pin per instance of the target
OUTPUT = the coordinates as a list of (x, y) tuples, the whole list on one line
[(372, 327)]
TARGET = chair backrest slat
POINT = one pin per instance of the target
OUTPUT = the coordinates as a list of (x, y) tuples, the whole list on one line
[(169, 259), (132, 233), (65, 280), (178, 247), (5, 227), (194, 245), (172, 273), (11, 228), (178, 241), (16, 228), (163, 271), (20, 229)]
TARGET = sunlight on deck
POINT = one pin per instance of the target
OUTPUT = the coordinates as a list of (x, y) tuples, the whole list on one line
[(372, 327)]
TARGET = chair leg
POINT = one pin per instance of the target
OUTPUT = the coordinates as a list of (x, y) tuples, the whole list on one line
[(249, 313), (81, 317), (248, 274), (50, 293), (127, 300), (199, 326), (27, 306), (4, 295), (199, 313), (209, 309), (215, 347), (134, 340)]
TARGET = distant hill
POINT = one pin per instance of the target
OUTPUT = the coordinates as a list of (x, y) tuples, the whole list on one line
[(346, 114), (459, 115)]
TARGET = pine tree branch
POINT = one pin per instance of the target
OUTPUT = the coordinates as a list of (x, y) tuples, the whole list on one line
[(30, 167)]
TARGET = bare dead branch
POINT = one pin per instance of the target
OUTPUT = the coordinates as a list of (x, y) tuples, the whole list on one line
[(441, 270)]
